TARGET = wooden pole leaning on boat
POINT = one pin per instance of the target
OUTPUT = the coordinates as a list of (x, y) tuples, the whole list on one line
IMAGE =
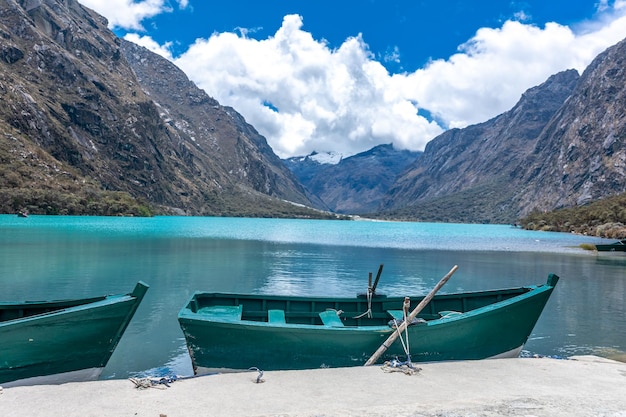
[(380, 271), (409, 319)]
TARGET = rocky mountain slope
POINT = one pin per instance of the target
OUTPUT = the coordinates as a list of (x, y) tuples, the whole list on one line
[(563, 144), (77, 119), (356, 184), (580, 155), (91, 124)]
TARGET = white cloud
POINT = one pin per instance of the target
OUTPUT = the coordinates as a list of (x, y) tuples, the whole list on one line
[(303, 96), (496, 66), (392, 55), (327, 100), (128, 14), (493, 69), (522, 16), (150, 44), (343, 100)]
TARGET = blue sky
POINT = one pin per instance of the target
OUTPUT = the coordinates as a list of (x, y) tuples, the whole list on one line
[(347, 75), (418, 30)]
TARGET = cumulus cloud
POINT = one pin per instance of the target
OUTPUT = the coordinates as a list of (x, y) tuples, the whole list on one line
[(344, 100), (150, 44), (129, 14), (493, 69), (304, 96)]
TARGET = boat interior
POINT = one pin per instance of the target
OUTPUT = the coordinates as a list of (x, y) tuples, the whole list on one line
[(13, 311), (379, 310)]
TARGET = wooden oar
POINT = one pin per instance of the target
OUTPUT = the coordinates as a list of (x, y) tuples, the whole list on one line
[(380, 271), (409, 319)]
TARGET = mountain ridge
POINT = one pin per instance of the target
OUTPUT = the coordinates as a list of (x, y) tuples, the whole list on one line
[(75, 103), (92, 124), (355, 184), (581, 154), (480, 159)]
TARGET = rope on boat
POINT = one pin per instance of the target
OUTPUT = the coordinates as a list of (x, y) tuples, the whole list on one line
[(397, 327), (371, 290), (405, 308), (369, 294), (397, 366), (337, 312)]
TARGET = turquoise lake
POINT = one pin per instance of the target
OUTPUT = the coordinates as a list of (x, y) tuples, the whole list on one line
[(55, 257)]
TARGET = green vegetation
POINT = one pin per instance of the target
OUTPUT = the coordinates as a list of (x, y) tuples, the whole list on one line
[(34, 181), (255, 204), (94, 202), (603, 218), (486, 203)]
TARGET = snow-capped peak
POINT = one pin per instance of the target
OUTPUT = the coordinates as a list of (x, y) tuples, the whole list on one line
[(331, 158)]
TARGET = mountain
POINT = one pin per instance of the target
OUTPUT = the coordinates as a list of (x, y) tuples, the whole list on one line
[(91, 124), (562, 145), (580, 156), (222, 141), (356, 184), (86, 117), (470, 171)]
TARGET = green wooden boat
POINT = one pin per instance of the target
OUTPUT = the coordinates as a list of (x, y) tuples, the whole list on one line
[(235, 331), (619, 246), (44, 342)]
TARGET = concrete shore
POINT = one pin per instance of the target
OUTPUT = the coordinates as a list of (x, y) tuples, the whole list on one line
[(579, 386)]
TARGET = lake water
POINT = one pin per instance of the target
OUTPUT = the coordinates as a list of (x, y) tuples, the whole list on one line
[(49, 257)]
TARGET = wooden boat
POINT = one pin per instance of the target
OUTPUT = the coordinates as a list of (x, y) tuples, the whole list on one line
[(236, 331), (619, 246), (44, 342)]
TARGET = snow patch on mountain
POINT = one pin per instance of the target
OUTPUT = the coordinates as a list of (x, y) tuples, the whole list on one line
[(330, 158)]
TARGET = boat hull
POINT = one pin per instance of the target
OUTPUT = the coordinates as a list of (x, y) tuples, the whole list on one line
[(82, 375), (612, 247), (496, 329), (64, 344)]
